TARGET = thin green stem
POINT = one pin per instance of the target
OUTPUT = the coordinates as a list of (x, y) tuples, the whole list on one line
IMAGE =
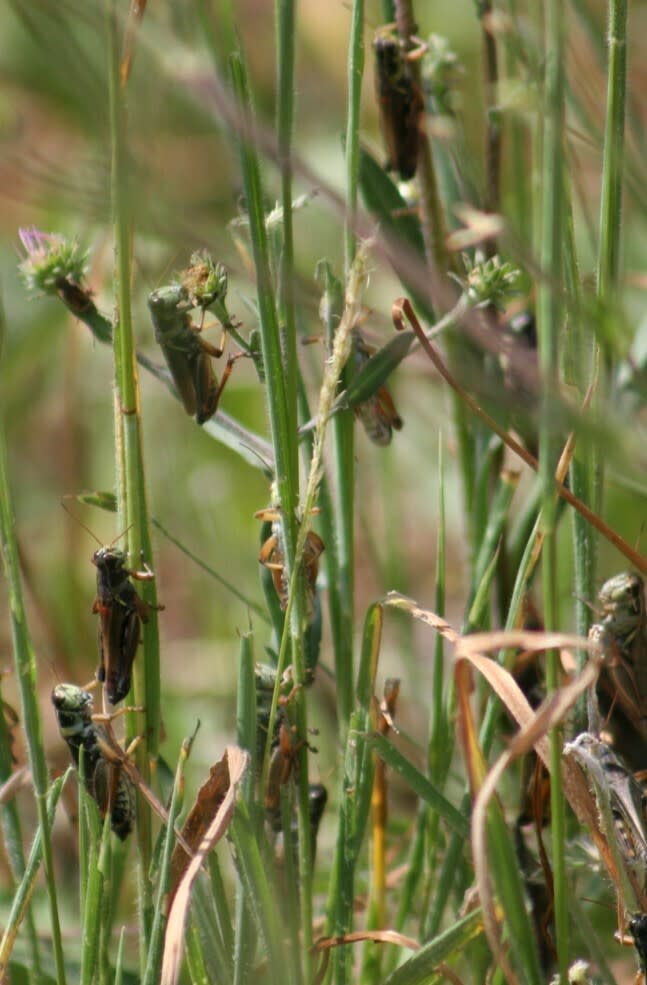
[(284, 429), (493, 122), (21, 898), (131, 490), (608, 266), (285, 33), (431, 211), (343, 425), (355, 75), (285, 52), (549, 311), (13, 837), (281, 386)]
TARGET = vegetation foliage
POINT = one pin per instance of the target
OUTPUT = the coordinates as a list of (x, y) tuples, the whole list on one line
[(368, 274)]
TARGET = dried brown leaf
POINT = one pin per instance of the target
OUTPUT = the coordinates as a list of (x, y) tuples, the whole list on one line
[(210, 796), (236, 761)]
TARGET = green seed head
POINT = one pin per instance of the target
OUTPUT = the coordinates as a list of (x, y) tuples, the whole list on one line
[(205, 280), (49, 259)]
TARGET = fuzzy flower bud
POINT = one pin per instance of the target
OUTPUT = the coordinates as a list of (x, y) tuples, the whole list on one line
[(51, 258)]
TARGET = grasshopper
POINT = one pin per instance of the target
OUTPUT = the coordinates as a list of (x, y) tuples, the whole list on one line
[(111, 776), (400, 103), (317, 800), (120, 612), (282, 763), (272, 556), (621, 636), (638, 931), (187, 354), (377, 414), (105, 779), (621, 803)]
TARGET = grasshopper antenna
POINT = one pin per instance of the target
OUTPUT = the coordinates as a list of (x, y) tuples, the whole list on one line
[(78, 519), (87, 529)]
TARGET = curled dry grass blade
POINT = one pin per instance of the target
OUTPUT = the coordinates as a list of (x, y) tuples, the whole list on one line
[(534, 726), (472, 650)]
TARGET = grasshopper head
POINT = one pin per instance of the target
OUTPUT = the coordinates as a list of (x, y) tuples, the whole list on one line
[(109, 558), (70, 698), (167, 301), (622, 592)]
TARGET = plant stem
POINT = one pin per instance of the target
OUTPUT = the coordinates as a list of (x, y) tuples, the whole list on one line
[(613, 161), (343, 425), (285, 30), (493, 128), (131, 489), (431, 213), (611, 200), (549, 310), (355, 75)]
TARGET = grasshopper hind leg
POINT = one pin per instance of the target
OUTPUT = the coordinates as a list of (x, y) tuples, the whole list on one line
[(208, 390)]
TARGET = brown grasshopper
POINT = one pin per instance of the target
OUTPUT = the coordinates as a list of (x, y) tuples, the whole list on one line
[(120, 611)]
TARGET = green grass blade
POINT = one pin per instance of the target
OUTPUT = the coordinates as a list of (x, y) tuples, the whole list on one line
[(129, 468), (259, 894), (156, 946), (376, 371), (25, 889), (424, 962), (418, 781)]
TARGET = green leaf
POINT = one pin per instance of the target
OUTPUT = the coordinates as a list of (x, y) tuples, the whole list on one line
[(418, 782), (384, 201), (376, 371), (424, 962)]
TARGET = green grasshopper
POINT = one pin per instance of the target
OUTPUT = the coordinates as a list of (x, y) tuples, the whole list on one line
[(188, 356), (621, 636), (611, 779), (105, 779), (621, 805), (120, 612), (400, 103)]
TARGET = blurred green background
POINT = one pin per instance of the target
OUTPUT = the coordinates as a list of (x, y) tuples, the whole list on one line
[(57, 382)]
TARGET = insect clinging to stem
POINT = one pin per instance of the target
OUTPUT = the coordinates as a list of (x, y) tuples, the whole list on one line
[(188, 355), (120, 610), (272, 556), (400, 102), (105, 779)]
